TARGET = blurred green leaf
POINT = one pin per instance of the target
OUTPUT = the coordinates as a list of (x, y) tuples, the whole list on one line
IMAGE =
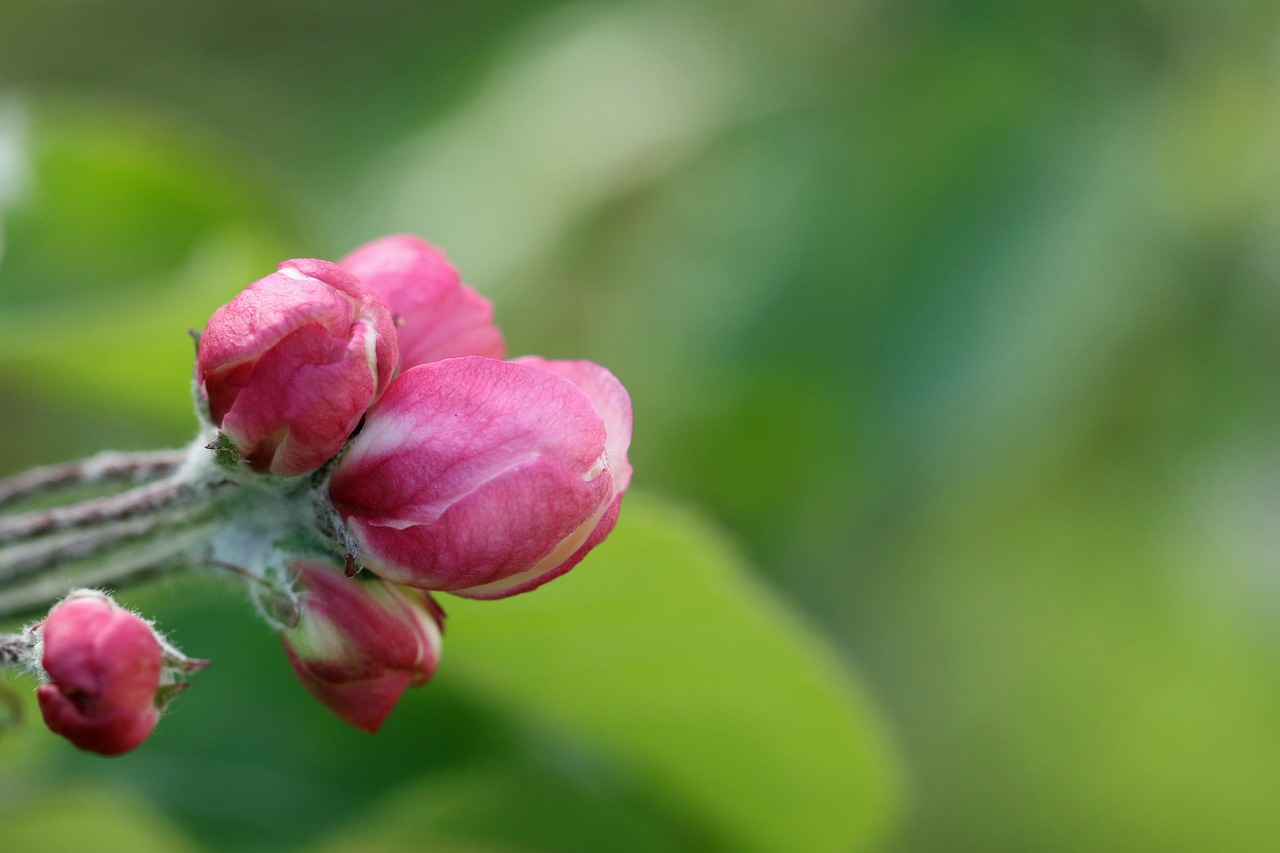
[(72, 821), (142, 363), (18, 712), (662, 649), (127, 232), (507, 809)]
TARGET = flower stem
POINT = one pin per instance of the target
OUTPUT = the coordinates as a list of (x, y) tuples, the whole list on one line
[(105, 467), (13, 649), (22, 559), (111, 540), (142, 501), (36, 575)]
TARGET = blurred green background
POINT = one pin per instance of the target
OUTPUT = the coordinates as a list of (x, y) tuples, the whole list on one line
[(951, 332)]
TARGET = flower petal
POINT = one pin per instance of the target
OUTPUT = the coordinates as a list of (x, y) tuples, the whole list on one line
[(437, 316)]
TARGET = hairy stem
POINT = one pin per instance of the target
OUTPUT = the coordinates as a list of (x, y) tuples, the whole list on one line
[(109, 541), (34, 577), (13, 649), (105, 467), (22, 559), (139, 502)]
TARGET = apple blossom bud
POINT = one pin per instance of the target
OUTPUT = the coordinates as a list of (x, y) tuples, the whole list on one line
[(360, 643), (104, 665), (289, 365), (486, 478), (436, 315)]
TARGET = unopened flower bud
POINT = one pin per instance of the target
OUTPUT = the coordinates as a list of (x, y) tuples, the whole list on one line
[(289, 365), (486, 478), (436, 315), (105, 666), (359, 644)]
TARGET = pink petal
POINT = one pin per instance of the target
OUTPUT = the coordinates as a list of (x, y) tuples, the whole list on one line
[(611, 401), (532, 579), (505, 527), (363, 704), (104, 668), (437, 316), (471, 471), (109, 731), (307, 395), (266, 312), (289, 365), (443, 429), (360, 644)]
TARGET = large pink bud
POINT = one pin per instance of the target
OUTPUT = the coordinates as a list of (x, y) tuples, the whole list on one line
[(436, 315), (104, 665), (486, 478), (360, 644), (290, 365)]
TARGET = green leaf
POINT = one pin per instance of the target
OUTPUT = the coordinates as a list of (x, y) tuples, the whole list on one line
[(77, 820), (144, 364), (663, 649), (128, 234), (513, 806)]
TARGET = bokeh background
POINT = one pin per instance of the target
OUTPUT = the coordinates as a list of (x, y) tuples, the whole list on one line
[(951, 331)]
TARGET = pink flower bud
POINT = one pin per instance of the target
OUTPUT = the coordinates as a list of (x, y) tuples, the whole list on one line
[(486, 478), (360, 644), (291, 363), (436, 315), (104, 665)]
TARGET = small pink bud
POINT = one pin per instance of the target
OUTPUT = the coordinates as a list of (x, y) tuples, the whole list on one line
[(104, 665), (291, 363), (436, 315), (486, 478), (359, 644)]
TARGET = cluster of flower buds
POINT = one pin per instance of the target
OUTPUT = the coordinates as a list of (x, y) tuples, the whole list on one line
[(356, 415), (458, 471)]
